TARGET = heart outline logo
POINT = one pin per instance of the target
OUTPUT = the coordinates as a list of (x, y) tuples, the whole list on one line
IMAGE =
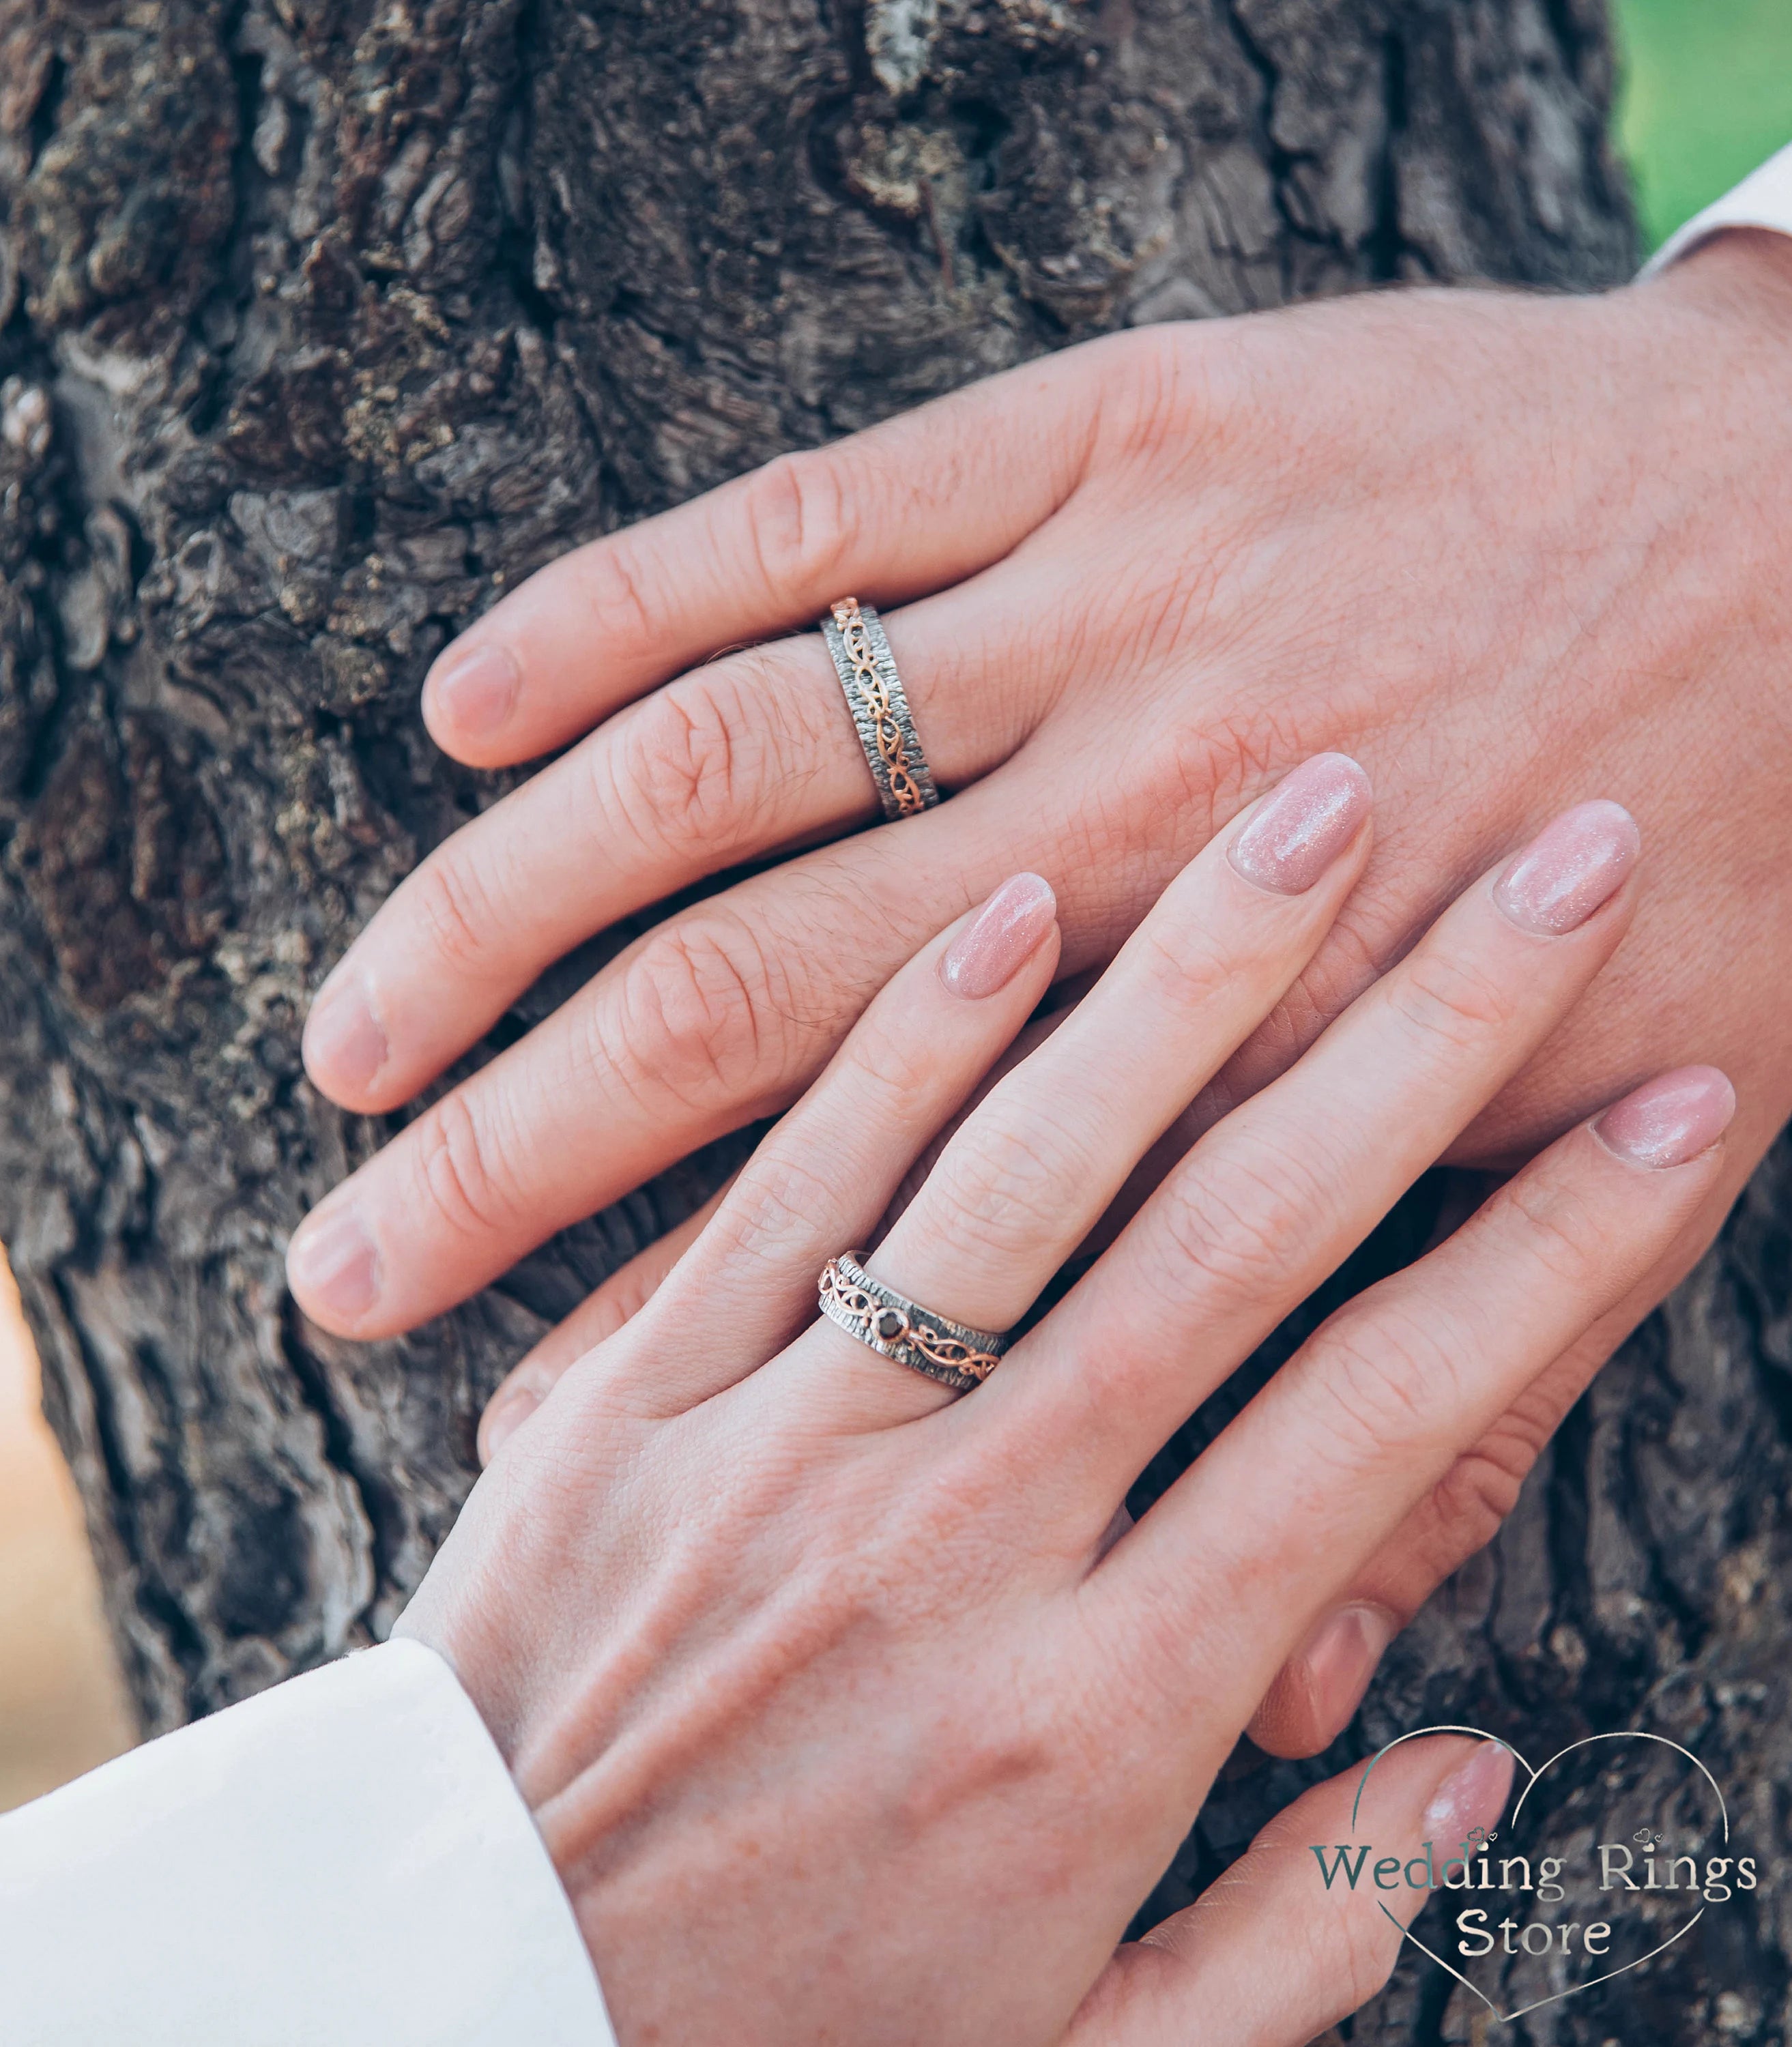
[(1586, 1741)]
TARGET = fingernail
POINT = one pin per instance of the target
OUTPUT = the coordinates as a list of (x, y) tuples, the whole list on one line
[(344, 1044), (1570, 869), (508, 1412), (1001, 938), (1303, 824), (1670, 1119), (1473, 1795), (474, 689), (331, 1261), (1341, 1656)]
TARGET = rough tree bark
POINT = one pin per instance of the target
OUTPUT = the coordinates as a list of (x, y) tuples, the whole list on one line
[(322, 321)]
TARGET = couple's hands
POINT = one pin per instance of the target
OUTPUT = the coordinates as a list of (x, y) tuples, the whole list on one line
[(850, 1712), (1504, 549)]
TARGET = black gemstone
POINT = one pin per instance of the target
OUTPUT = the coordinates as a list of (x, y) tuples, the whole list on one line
[(889, 1324)]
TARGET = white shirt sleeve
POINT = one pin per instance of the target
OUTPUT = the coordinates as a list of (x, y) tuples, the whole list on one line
[(342, 1862), (1763, 199)]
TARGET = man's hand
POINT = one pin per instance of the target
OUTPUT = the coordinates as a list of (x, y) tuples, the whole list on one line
[(1508, 551)]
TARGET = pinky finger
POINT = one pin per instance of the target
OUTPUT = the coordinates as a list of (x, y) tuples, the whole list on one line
[(1321, 1686), (599, 1316), (1199, 1979)]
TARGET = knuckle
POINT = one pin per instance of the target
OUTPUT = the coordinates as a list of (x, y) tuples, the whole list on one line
[(776, 1198), (1007, 1187), (1472, 1501), (1562, 1231), (686, 762), (894, 1074), (1233, 1228), (801, 523), (455, 905), (1184, 968), (1383, 1378), (460, 1168), (902, 1072), (1457, 1001), (700, 1020), (618, 593)]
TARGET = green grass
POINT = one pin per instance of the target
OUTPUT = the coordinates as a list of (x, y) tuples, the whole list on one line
[(1707, 94)]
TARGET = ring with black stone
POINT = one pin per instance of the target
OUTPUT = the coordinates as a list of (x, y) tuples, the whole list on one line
[(950, 1352)]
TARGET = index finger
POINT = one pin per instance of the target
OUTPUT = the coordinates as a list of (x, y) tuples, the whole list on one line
[(923, 501)]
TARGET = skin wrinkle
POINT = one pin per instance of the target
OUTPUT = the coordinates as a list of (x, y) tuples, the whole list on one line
[(457, 909), (615, 593), (1010, 1192), (707, 780), (696, 971), (794, 500), (452, 1174)]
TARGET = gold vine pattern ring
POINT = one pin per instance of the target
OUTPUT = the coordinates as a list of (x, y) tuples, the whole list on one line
[(950, 1352), (867, 671)]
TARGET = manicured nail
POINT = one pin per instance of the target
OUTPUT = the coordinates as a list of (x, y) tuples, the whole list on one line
[(1570, 869), (1341, 1656), (474, 689), (1303, 824), (344, 1045), (1001, 938), (1670, 1119), (331, 1261), (1474, 1794), (508, 1412)]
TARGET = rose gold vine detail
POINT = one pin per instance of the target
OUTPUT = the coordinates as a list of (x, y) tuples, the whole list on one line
[(890, 747), (934, 1344)]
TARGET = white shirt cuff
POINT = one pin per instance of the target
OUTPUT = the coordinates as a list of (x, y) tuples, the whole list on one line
[(1763, 199), (342, 1862)]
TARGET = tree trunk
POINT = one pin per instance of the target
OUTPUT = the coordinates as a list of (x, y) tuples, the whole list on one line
[(322, 322)]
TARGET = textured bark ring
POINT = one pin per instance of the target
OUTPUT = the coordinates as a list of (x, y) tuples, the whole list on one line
[(951, 1352), (879, 704)]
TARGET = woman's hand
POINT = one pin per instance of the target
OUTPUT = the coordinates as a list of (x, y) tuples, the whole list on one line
[(1269, 1957), (851, 1711), (1503, 549)]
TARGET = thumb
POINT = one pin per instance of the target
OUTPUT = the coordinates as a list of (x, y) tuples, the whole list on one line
[(1272, 1954)]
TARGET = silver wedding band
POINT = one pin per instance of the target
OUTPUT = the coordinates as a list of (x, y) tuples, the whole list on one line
[(953, 1354), (879, 704)]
